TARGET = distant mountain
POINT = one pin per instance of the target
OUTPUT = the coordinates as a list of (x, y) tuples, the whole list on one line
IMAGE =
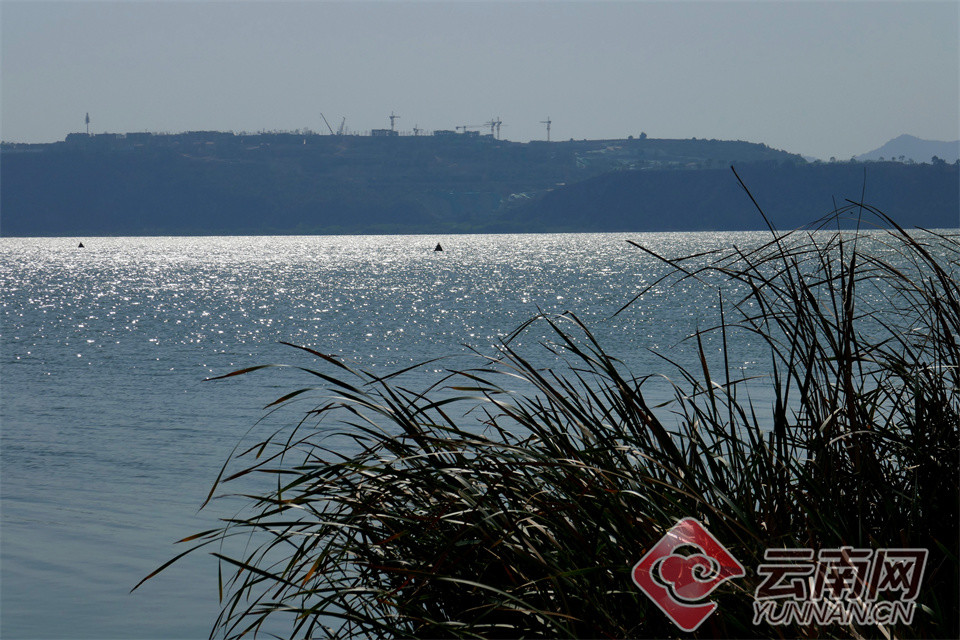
[(913, 148)]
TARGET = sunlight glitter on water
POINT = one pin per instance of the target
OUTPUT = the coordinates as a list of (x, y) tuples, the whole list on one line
[(111, 440)]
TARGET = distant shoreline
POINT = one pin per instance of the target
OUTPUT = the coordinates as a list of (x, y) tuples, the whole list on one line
[(214, 183)]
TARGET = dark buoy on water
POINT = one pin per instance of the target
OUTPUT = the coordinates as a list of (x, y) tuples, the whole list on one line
[(438, 247), (81, 246)]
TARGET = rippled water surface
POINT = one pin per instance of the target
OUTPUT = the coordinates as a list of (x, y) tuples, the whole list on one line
[(110, 439)]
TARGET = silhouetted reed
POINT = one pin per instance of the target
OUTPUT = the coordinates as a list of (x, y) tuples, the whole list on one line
[(511, 500)]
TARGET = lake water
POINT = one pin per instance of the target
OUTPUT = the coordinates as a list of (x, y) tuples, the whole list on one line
[(111, 439)]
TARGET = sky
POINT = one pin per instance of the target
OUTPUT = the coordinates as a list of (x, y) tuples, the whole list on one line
[(824, 79)]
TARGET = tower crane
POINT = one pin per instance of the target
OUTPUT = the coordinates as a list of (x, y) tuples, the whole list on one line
[(392, 118), (547, 122), (494, 124)]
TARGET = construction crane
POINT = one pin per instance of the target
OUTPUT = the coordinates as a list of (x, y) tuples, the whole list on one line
[(416, 129), (494, 125), (343, 127), (392, 118), (327, 123), (471, 126), (547, 122)]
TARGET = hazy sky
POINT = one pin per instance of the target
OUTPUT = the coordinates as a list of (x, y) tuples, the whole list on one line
[(817, 78)]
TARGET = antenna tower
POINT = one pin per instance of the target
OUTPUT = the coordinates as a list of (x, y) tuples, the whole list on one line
[(547, 122)]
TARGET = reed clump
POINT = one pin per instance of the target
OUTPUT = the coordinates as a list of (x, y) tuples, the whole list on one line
[(513, 501)]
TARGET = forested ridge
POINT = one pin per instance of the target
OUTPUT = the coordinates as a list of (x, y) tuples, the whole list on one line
[(221, 183)]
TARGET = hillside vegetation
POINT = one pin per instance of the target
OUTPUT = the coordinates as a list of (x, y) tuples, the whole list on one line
[(918, 195), (211, 183)]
